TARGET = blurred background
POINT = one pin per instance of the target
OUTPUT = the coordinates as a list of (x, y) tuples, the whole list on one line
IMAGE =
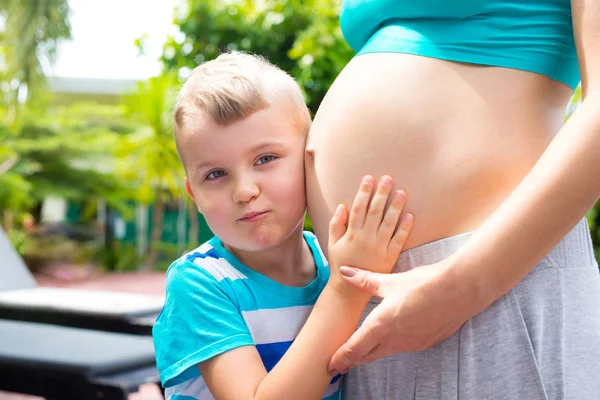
[(90, 182)]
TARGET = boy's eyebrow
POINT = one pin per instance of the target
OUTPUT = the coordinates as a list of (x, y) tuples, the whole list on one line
[(261, 146), (204, 164)]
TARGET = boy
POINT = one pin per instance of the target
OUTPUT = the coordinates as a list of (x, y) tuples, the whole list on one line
[(235, 305)]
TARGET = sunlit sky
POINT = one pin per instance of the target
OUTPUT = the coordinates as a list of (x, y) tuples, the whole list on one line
[(104, 32)]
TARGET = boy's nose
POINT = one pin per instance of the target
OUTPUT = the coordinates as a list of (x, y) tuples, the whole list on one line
[(245, 190)]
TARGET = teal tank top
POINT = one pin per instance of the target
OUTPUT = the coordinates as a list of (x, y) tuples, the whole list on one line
[(531, 35)]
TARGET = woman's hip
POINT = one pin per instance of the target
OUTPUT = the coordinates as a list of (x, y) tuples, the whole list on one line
[(539, 341)]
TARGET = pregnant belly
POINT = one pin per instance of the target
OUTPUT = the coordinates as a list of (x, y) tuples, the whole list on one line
[(452, 136)]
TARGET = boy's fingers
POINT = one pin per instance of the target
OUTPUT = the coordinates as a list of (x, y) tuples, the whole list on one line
[(361, 202), (337, 224), (397, 242), (392, 215), (376, 208)]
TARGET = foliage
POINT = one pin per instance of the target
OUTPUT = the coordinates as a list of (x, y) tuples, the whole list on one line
[(19, 239), (308, 226), (15, 191), (66, 152), (40, 247), (121, 257), (43, 250), (32, 32), (148, 158), (302, 38), (167, 253)]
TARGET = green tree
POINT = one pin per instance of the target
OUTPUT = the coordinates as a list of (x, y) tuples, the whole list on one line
[(33, 29), (15, 191), (67, 152), (148, 158), (301, 37)]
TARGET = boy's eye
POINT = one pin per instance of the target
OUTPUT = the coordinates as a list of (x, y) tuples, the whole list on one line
[(265, 159), (215, 174)]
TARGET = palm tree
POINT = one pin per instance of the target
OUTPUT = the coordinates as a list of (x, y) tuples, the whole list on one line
[(148, 158), (33, 29), (66, 153)]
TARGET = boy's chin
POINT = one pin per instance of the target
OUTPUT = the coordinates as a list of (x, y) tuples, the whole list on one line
[(264, 241), (261, 243)]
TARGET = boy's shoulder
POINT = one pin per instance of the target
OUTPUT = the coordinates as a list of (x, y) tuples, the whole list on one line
[(204, 262), (212, 262)]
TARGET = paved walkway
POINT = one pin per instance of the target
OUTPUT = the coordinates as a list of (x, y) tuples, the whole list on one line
[(152, 283)]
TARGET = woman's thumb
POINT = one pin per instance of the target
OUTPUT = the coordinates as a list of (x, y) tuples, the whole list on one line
[(367, 281)]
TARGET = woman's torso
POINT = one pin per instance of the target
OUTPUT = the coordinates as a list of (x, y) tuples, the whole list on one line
[(458, 138), (422, 103)]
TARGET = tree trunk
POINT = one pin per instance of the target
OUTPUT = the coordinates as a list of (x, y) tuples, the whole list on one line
[(157, 227), (141, 220), (194, 226)]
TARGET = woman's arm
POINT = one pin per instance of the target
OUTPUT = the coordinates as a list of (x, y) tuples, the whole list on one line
[(556, 194), (368, 240), (425, 306)]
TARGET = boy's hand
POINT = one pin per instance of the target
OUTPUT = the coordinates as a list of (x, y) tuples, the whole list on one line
[(368, 241)]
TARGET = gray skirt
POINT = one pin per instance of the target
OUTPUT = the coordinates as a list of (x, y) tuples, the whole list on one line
[(539, 341)]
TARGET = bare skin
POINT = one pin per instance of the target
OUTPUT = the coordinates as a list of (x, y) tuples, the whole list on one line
[(458, 143)]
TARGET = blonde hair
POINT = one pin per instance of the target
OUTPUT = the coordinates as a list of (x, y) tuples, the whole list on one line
[(234, 86)]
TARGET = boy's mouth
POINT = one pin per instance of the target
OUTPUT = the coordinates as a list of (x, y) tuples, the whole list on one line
[(252, 216)]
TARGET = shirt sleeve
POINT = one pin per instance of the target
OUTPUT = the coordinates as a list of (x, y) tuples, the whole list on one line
[(198, 321)]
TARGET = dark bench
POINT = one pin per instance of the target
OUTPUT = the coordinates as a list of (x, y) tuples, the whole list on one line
[(21, 299), (58, 362)]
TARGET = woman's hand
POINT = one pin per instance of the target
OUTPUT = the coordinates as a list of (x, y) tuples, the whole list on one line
[(420, 308), (370, 240)]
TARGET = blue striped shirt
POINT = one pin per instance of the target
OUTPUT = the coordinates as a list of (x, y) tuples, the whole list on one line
[(214, 304)]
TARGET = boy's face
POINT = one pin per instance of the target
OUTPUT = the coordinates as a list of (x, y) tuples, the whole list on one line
[(247, 179)]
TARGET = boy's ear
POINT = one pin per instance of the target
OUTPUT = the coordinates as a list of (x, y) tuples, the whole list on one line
[(188, 189)]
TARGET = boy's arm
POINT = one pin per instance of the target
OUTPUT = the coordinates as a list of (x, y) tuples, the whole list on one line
[(368, 241), (302, 372)]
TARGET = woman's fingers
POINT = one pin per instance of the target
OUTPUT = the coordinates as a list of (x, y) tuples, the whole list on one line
[(376, 208), (368, 341), (369, 282), (392, 215), (378, 352), (360, 344), (361, 203)]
